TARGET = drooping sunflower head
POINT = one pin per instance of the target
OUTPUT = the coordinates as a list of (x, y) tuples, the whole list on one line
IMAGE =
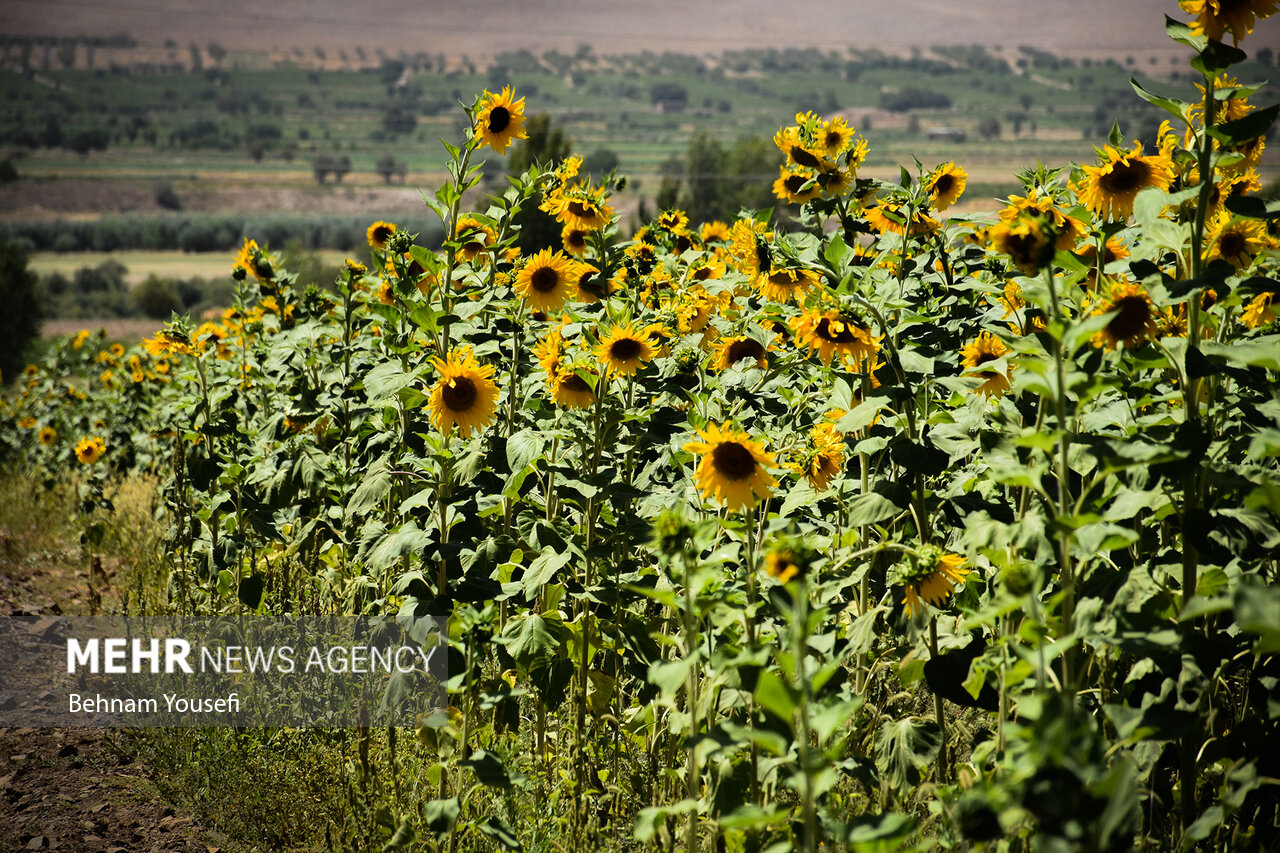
[(834, 331), (981, 350), (379, 233), (751, 246), (1134, 320), (931, 574), (1261, 310), (580, 206), (465, 395), (1237, 241), (474, 237), (1029, 241), (714, 231), (546, 280), (822, 457), (624, 350), (785, 285), (890, 217), (795, 185), (945, 185), (499, 119), (168, 343), (1113, 250), (733, 469), (732, 350), (1216, 18), (90, 449), (1110, 188), (1068, 228), (571, 391)]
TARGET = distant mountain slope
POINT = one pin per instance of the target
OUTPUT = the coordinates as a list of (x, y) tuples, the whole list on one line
[(608, 26)]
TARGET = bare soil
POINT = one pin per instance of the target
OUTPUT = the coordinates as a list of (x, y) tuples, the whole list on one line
[(73, 789)]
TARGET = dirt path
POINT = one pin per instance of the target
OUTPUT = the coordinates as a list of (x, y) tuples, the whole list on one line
[(73, 789)]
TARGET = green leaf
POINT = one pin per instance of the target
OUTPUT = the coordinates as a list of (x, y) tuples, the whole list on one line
[(825, 721), (404, 836), (905, 746), (871, 508), (543, 569), (524, 447), (383, 382), (1258, 612), (1217, 57), (651, 818), (441, 815), (874, 832), (372, 490), (776, 696), (531, 639), (1170, 105), (1181, 32), (500, 832), (1247, 353), (250, 591), (490, 770), (752, 817), (1250, 127)]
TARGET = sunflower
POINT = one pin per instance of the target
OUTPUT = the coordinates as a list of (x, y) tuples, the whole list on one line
[(499, 119), (1109, 189), (166, 344), (798, 154), (48, 435), (823, 458), (465, 395), (624, 350), (379, 233), (1134, 320), (836, 183), (835, 136), (579, 206), (675, 221), (783, 564), (784, 285), (253, 261), (931, 574), (550, 351), (945, 184), (570, 390), (795, 186), (982, 349), (546, 280), (730, 351), (90, 450), (1215, 18), (830, 332), (575, 240), (475, 238), (1029, 241), (1237, 241), (588, 285), (1259, 311), (1068, 228), (887, 218), (733, 468), (27, 422), (714, 231)]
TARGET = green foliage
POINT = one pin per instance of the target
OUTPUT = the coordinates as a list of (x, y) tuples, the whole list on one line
[(20, 323)]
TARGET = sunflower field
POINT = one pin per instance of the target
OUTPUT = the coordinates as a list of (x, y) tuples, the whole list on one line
[(864, 526)]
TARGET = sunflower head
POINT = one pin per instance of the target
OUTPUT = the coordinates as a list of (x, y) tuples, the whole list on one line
[(1110, 188), (625, 350), (1030, 241), (733, 350), (474, 237), (978, 352), (379, 233), (90, 449), (499, 119), (48, 435), (733, 469), (546, 280), (1134, 320), (1216, 18), (930, 574), (945, 184), (464, 396), (788, 559), (1261, 310)]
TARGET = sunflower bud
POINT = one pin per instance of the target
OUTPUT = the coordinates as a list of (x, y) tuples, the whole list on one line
[(673, 534)]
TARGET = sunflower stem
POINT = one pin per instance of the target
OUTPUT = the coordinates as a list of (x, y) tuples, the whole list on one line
[(1063, 508), (938, 711)]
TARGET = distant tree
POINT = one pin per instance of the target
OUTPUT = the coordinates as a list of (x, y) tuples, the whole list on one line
[(67, 53), (52, 136), (547, 146), (989, 128), (216, 52), (715, 182), (84, 141), (327, 164), (166, 197), (389, 167), (157, 297), (665, 92), (1265, 57), (197, 58), (20, 319), (399, 120), (600, 162)]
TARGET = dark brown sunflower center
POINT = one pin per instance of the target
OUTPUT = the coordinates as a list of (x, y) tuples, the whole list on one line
[(1232, 244), (459, 395), (544, 279), (1134, 314), (831, 140), (1126, 178), (733, 461), (763, 258), (794, 183), (575, 383), (576, 239), (803, 157), (739, 350), (944, 184), (983, 358), (683, 243), (381, 234), (582, 209), (823, 330), (499, 119), (624, 349), (701, 274)]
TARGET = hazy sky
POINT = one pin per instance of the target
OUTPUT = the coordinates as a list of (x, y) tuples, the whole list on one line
[(610, 26)]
